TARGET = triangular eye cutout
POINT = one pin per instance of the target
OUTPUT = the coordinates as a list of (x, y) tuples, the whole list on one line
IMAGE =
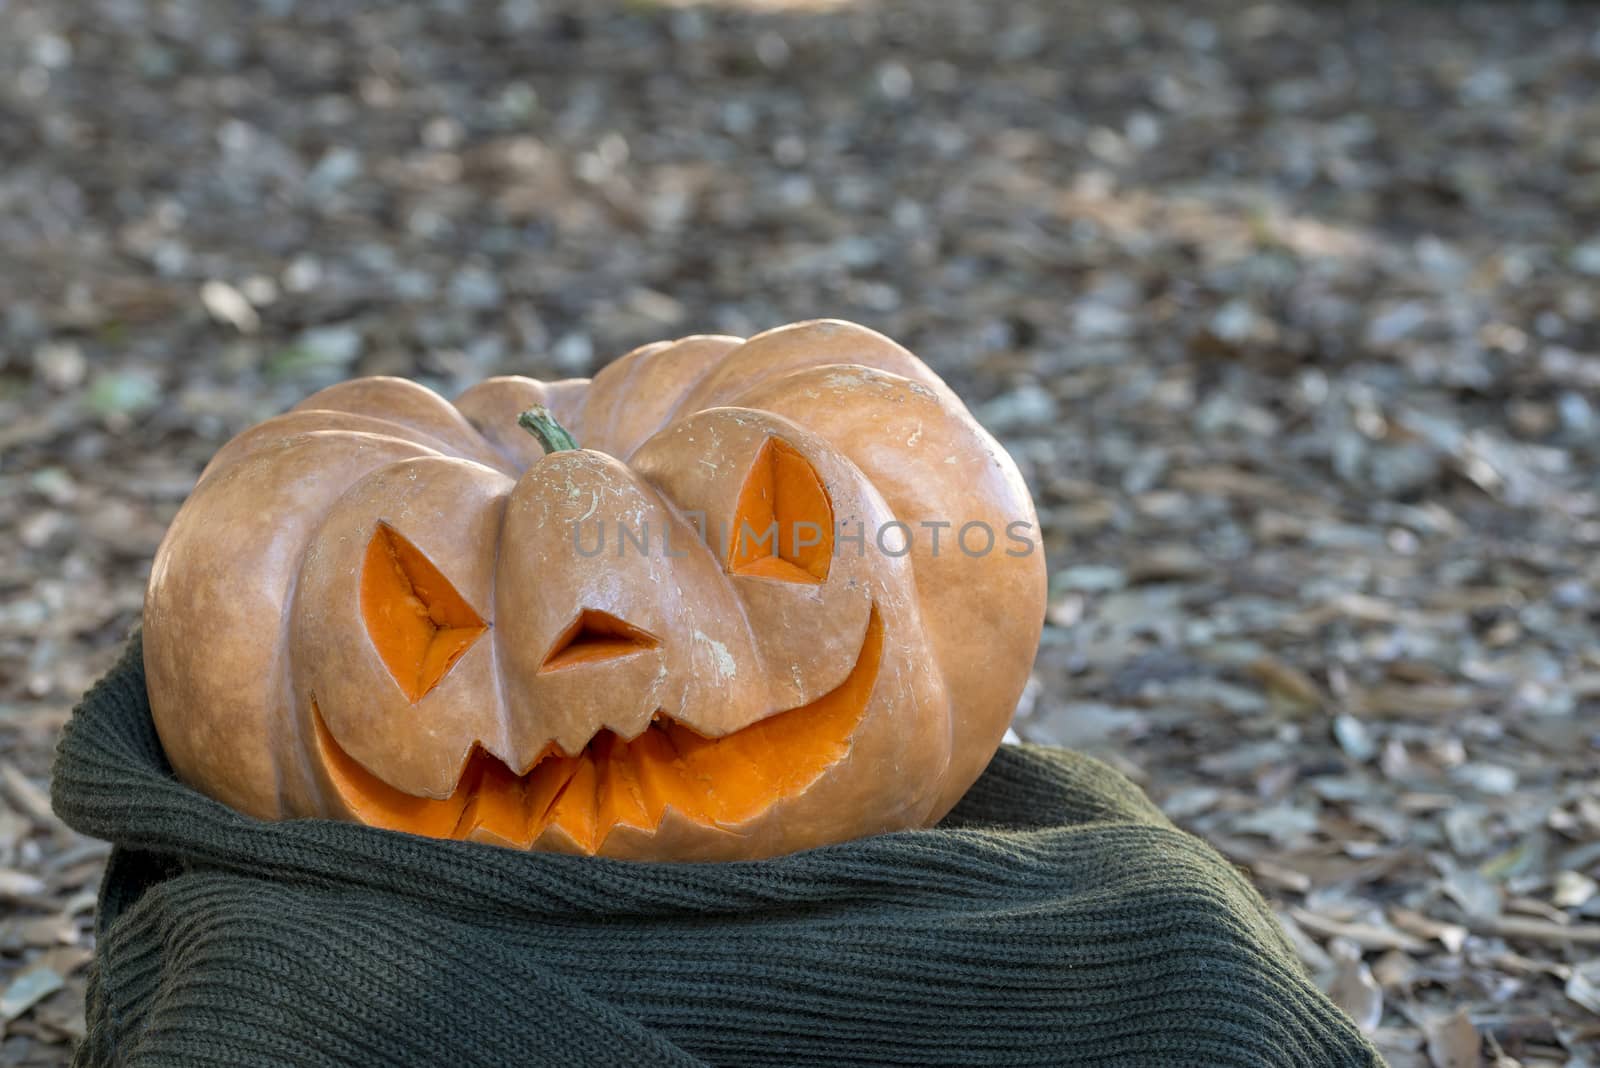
[(783, 526), (417, 621), (596, 636)]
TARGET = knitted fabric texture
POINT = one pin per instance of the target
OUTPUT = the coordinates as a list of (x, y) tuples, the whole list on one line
[(1055, 918)]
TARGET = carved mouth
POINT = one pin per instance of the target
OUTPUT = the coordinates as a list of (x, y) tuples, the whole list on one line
[(576, 801)]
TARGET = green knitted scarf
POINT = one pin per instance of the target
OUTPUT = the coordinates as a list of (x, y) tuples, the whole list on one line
[(1055, 918)]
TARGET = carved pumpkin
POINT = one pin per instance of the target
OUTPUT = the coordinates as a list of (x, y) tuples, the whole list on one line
[(701, 635)]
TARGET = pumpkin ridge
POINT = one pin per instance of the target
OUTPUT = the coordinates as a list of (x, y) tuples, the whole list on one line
[(410, 404), (287, 426), (686, 388), (642, 357)]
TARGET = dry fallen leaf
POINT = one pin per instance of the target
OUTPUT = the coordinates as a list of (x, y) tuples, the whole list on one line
[(1366, 935), (1450, 935), (29, 797), (1453, 1042), (27, 990), (1517, 927), (1572, 889), (1353, 988), (1583, 986), (1286, 682), (20, 884)]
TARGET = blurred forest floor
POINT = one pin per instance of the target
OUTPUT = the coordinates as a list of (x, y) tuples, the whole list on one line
[(1289, 311)]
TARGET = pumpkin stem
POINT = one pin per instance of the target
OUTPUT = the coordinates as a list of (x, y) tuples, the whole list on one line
[(541, 424)]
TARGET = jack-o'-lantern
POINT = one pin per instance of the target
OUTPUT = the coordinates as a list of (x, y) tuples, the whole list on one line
[(728, 599)]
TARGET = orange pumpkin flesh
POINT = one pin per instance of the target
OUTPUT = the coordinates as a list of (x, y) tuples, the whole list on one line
[(596, 636), (783, 526), (417, 620), (468, 646)]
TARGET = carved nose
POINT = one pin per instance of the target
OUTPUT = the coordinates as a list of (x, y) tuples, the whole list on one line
[(600, 672), (595, 637)]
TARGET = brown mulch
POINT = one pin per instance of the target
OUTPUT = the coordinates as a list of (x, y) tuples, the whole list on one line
[(1290, 313)]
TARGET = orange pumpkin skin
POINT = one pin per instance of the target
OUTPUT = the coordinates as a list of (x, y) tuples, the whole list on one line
[(383, 607)]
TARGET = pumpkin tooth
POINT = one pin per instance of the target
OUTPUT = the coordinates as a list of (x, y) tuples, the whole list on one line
[(573, 809), (495, 803), (545, 785), (639, 757), (621, 803), (661, 776)]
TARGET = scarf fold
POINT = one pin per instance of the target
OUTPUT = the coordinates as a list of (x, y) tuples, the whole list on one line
[(1054, 918)]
